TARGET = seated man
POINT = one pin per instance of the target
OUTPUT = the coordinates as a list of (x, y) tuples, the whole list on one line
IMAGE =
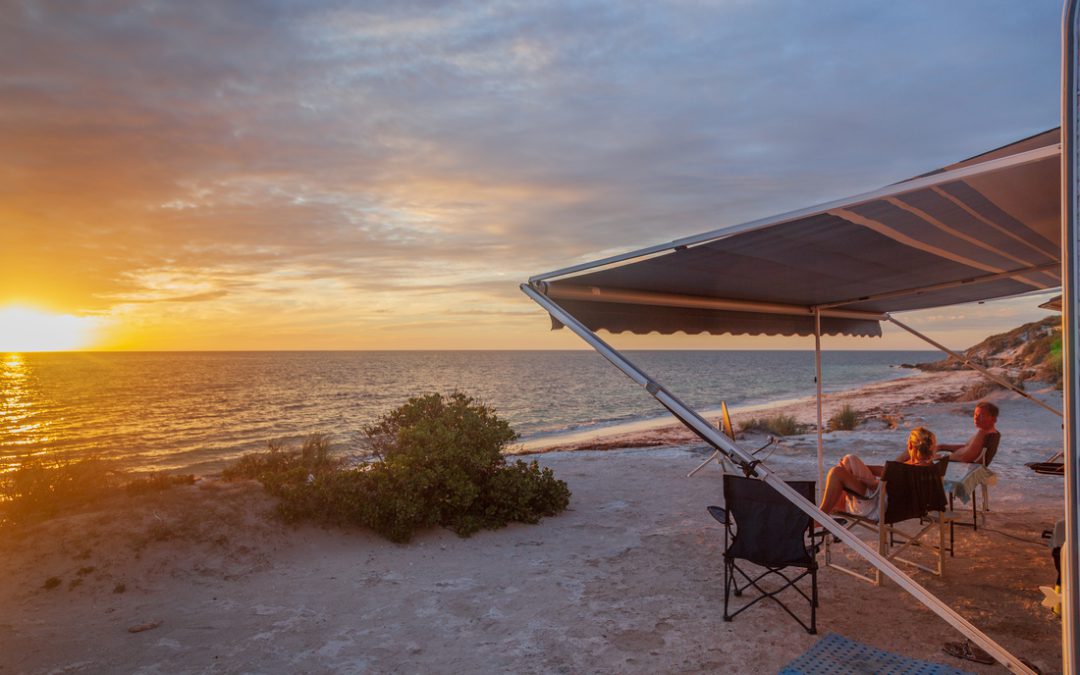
[(985, 418), (852, 486)]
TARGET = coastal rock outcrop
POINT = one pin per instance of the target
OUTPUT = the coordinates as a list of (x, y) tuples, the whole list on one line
[(1029, 352)]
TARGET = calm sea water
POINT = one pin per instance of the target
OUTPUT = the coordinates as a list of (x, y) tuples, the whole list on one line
[(197, 410)]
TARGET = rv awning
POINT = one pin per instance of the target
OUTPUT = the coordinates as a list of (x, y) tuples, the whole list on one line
[(987, 227)]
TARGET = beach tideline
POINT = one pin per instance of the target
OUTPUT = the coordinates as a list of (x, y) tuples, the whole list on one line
[(628, 580)]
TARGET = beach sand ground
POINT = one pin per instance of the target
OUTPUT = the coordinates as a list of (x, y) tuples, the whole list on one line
[(628, 580)]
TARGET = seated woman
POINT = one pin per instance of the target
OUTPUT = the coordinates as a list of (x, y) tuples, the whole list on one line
[(852, 486)]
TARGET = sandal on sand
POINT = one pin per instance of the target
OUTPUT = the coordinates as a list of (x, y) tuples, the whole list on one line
[(967, 650)]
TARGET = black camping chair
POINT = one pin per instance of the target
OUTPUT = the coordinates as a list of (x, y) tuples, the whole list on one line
[(765, 529), (909, 492)]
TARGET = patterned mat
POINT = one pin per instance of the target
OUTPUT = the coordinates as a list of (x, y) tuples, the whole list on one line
[(837, 655)]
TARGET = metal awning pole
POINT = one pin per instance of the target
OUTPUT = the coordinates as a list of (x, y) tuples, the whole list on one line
[(1070, 338), (699, 425), (971, 364), (817, 379)]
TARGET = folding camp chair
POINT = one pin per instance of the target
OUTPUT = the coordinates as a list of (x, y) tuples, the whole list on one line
[(763, 528), (961, 479), (908, 492)]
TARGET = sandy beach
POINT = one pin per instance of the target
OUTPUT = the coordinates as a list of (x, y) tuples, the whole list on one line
[(627, 580)]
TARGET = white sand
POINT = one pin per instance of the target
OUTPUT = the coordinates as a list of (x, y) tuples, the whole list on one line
[(628, 580)]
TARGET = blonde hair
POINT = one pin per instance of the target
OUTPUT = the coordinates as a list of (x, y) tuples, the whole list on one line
[(920, 444)]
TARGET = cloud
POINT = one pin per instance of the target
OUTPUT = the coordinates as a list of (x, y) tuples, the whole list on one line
[(276, 153)]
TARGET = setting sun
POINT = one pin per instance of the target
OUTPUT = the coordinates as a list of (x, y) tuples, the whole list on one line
[(28, 330)]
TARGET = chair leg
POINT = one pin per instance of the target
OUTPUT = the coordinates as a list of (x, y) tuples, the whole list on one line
[(986, 500), (729, 575), (952, 533), (974, 511), (884, 540), (883, 548), (790, 582), (941, 545)]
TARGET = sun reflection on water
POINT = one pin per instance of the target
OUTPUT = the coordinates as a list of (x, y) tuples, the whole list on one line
[(18, 428)]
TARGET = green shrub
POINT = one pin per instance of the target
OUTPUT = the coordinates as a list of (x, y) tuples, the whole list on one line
[(845, 419), (779, 425), (279, 467), (439, 462), (1050, 369)]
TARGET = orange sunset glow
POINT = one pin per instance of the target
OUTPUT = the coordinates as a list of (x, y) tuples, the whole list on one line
[(319, 176), (29, 330)]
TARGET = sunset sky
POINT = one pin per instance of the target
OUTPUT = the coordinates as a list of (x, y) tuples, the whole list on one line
[(327, 175)]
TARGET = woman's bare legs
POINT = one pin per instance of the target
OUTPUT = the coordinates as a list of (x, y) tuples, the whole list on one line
[(839, 478)]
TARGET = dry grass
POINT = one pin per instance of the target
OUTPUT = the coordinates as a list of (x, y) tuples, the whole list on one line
[(42, 487), (844, 419), (778, 425)]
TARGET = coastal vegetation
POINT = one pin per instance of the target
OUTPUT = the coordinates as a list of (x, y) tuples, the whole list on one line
[(778, 425), (844, 419), (438, 462), (43, 487)]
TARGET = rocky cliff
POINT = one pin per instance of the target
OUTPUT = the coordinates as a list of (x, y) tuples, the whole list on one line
[(1029, 352)]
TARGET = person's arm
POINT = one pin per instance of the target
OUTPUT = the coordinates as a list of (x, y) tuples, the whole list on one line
[(970, 451), (949, 447)]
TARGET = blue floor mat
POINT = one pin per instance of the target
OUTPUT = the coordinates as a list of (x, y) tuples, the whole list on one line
[(837, 655)]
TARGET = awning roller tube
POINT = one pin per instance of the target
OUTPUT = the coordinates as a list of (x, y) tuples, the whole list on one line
[(632, 297)]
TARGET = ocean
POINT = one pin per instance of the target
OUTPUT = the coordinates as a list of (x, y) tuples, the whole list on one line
[(196, 411)]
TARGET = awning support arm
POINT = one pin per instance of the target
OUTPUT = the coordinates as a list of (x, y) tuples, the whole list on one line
[(971, 364), (700, 426)]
